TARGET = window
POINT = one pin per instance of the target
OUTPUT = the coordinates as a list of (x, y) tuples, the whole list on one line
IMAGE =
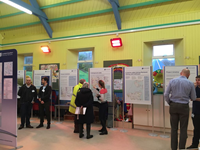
[(85, 61), (28, 65), (163, 55)]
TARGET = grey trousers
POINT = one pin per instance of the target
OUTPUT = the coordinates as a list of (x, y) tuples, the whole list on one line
[(178, 113)]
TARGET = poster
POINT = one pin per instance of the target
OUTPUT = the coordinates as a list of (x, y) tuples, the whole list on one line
[(9, 68), (171, 72), (38, 75), (138, 85), (118, 84), (20, 79), (68, 79), (105, 74), (8, 88), (8, 97), (55, 73)]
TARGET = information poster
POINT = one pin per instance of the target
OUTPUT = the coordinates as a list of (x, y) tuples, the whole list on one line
[(105, 74), (68, 79), (38, 75), (20, 79), (171, 72), (8, 97), (138, 85)]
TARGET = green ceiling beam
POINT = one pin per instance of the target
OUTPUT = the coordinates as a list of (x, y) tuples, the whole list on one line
[(89, 14), (43, 7)]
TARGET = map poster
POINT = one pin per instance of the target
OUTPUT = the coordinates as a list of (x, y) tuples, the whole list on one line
[(105, 74), (68, 79), (138, 85), (171, 72), (8, 97), (38, 75)]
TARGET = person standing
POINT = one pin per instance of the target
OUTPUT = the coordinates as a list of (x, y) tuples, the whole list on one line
[(28, 94), (196, 116), (44, 102), (72, 107), (103, 107), (85, 98), (181, 91)]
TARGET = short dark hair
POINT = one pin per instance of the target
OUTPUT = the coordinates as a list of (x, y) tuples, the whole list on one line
[(198, 76), (46, 79), (82, 81)]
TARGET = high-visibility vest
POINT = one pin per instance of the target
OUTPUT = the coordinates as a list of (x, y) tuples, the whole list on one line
[(72, 107)]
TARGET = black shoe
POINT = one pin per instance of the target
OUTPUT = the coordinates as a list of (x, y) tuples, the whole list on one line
[(192, 147), (76, 131), (21, 127), (48, 126), (29, 126), (101, 130), (90, 136), (104, 133), (40, 126), (82, 135)]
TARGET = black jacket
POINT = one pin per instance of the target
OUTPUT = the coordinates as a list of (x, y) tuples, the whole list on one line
[(46, 95), (27, 94), (85, 98)]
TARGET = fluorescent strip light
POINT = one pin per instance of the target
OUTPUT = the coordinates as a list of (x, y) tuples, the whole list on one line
[(17, 6)]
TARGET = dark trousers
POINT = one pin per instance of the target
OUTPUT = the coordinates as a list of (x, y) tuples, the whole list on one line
[(25, 112), (88, 128), (46, 107), (196, 135), (76, 124), (179, 113)]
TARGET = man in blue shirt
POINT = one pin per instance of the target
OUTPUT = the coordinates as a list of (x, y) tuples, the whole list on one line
[(196, 116), (178, 94)]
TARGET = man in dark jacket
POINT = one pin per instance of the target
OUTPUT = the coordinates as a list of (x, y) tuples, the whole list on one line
[(28, 94), (44, 102)]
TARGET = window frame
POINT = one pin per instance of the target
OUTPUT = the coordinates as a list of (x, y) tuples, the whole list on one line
[(163, 57), (26, 65), (85, 61)]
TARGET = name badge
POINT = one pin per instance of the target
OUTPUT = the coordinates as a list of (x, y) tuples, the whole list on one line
[(192, 115), (43, 90), (33, 91)]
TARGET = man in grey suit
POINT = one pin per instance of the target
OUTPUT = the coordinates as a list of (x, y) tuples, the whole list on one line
[(178, 94)]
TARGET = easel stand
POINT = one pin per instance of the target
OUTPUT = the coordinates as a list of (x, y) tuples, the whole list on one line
[(164, 128), (153, 134), (123, 121), (59, 122), (18, 147), (113, 128)]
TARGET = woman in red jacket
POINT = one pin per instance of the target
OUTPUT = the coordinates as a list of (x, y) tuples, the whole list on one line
[(103, 108)]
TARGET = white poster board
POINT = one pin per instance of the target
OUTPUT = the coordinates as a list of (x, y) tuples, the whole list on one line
[(38, 75), (138, 85), (68, 79), (105, 74), (21, 77), (171, 72)]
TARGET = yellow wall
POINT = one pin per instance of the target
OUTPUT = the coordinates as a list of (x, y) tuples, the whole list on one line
[(133, 48)]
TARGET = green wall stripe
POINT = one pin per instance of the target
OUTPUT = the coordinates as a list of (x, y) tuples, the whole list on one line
[(43, 7), (88, 14), (60, 4), (107, 32)]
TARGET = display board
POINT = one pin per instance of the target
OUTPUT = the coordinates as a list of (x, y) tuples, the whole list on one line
[(8, 98), (105, 74), (171, 72), (21, 77), (68, 79), (55, 73), (38, 75), (138, 85)]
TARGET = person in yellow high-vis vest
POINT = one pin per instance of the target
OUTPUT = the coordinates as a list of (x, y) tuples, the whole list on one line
[(72, 107)]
